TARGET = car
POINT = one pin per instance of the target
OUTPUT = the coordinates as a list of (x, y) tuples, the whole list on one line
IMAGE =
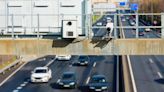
[(141, 33), (109, 19), (83, 60), (98, 83), (41, 74), (68, 80), (127, 17), (147, 29), (123, 19), (63, 57), (99, 24), (132, 22)]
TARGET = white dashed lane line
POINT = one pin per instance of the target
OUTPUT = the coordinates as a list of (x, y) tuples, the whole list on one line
[(159, 74), (15, 90), (21, 86), (88, 80), (18, 88)]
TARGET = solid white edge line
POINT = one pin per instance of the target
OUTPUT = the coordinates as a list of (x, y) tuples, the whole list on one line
[(12, 74), (159, 74), (94, 64), (132, 74), (88, 80), (129, 64)]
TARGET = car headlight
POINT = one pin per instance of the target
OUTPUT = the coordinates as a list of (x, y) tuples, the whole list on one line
[(92, 87), (32, 78), (72, 83), (104, 87)]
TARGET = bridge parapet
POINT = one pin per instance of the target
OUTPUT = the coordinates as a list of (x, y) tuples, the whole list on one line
[(82, 46)]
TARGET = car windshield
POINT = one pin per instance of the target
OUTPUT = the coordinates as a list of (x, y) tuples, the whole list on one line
[(40, 71), (82, 58), (67, 76), (98, 79)]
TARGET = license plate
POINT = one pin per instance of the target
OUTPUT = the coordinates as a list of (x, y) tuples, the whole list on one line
[(98, 89), (66, 85)]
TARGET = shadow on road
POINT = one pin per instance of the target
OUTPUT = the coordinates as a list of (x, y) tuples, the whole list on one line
[(100, 41), (161, 81), (62, 43)]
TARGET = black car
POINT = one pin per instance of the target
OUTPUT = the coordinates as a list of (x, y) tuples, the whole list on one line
[(68, 80), (141, 33), (83, 60), (98, 83)]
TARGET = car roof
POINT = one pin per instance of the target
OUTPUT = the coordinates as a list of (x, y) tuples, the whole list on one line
[(69, 73), (41, 68)]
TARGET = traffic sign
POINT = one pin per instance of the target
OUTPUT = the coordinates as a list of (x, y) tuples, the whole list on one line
[(122, 3), (134, 7)]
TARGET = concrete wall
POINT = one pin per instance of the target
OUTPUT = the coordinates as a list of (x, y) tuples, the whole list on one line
[(52, 47), (140, 46), (51, 12), (82, 46)]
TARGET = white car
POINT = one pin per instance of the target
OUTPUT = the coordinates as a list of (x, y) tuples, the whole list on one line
[(41, 74), (99, 24), (147, 29), (132, 22), (63, 57), (109, 19)]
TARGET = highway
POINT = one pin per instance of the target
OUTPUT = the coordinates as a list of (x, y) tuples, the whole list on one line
[(101, 32), (130, 33), (148, 70), (98, 65)]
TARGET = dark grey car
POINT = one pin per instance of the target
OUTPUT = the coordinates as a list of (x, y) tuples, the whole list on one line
[(68, 80), (98, 83), (83, 60)]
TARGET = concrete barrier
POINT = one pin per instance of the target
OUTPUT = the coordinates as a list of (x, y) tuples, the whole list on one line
[(83, 46), (52, 47), (140, 46)]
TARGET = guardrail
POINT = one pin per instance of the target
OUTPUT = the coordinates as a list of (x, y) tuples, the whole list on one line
[(2, 71)]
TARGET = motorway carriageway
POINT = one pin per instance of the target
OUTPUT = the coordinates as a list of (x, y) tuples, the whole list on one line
[(20, 82), (148, 70)]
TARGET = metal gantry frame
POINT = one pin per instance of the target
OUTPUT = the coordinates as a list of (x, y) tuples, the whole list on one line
[(88, 23), (137, 27)]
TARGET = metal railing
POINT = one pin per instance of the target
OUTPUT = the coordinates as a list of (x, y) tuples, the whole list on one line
[(87, 29), (2, 71)]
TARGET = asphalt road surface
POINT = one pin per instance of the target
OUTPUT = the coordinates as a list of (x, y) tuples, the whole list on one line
[(20, 82), (148, 70)]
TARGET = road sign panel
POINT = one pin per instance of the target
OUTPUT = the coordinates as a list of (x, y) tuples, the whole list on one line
[(122, 3), (134, 7)]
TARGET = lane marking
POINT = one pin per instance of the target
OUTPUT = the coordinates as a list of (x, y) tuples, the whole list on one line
[(150, 60), (12, 74), (22, 85), (15, 90), (94, 65), (130, 65), (26, 82), (132, 74), (160, 75), (50, 62), (19, 88), (88, 80)]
